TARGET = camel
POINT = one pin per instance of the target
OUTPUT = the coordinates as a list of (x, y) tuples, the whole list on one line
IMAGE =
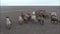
[(54, 18)]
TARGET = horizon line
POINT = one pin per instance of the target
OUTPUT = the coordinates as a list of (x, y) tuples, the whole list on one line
[(33, 5)]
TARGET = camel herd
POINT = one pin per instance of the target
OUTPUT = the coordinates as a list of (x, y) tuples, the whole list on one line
[(35, 17)]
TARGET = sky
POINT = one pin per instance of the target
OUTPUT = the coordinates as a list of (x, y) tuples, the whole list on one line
[(29, 2)]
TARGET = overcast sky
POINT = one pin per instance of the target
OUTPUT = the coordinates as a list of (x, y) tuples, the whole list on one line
[(28, 2)]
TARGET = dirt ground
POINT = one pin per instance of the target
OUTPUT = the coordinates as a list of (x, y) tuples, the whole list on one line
[(14, 11)]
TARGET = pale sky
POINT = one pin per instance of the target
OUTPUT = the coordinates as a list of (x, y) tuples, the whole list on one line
[(29, 2)]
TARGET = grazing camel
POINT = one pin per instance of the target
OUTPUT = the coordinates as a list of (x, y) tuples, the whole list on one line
[(54, 18), (26, 17), (40, 16), (40, 19)]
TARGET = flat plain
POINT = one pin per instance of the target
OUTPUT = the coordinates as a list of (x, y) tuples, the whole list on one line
[(14, 11)]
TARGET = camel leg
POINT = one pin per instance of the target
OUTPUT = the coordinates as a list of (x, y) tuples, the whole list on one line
[(42, 22), (56, 21), (9, 26), (20, 22)]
